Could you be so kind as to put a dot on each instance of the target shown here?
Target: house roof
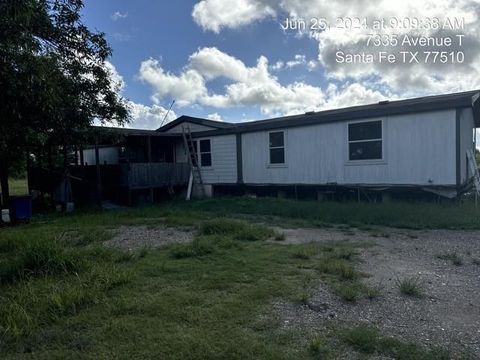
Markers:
(383, 108)
(132, 132)
(194, 120)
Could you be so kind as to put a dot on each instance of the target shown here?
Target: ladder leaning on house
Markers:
(472, 163)
(195, 174)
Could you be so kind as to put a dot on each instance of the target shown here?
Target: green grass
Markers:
(410, 287)
(65, 295)
(18, 186)
(414, 215)
(367, 340)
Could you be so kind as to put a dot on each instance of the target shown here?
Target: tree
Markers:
(53, 78)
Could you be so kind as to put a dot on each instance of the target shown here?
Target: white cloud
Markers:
(217, 14)
(297, 60)
(402, 79)
(117, 15)
(279, 65)
(143, 116)
(185, 88)
(149, 117)
(117, 80)
(215, 117)
(247, 86)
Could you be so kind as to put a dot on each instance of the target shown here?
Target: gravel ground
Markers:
(137, 237)
(449, 313)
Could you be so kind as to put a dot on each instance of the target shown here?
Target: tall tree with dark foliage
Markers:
(53, 78)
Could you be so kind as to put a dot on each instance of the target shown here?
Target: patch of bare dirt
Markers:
(448, 315)
(137, 237)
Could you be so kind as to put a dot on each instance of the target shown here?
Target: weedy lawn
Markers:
(63, 294)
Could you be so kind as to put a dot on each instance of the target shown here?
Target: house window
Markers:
(365, 141)
(205, 153)
(277, 147)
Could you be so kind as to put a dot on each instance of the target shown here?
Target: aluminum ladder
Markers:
(472, 163)
(195, 173)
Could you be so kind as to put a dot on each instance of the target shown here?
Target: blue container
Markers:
(21, 207)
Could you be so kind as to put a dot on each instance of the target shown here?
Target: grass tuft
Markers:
(362, 338)
(320, 348)
(373, 292)
(410, 287)
(453, 257)
(39, 257)
(367, 340)
(239, 230)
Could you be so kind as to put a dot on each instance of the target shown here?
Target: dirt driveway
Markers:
(447, 315)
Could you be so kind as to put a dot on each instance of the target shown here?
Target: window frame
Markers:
(284, 147)
(199, 154)
(381, 160)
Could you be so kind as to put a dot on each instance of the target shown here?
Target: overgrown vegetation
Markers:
(367, 340)
(412, 215)
(65, 295)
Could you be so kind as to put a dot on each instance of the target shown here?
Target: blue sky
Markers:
(231, 60)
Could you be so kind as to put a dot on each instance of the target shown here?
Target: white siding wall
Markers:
(106, 154)
(193, 127)
(467, 124)
(224, 160)
(419, 149)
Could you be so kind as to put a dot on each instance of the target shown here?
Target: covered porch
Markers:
(126, 166)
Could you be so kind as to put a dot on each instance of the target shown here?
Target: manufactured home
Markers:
(424, 144)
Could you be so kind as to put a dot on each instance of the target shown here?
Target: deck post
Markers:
(75, 149)
(29, 165)
(149, 160)
(99, 177)
(82, 160)
(149, 149)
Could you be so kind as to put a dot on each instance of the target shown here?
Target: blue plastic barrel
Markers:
(22, 207)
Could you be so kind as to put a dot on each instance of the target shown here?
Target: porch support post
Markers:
(82, 160)
(99, 177)
(149, 160)
(29, 165)
(76, 154)
(149, 149)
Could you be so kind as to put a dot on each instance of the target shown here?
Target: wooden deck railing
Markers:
(152, 175)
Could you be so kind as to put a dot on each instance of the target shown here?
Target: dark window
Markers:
(205, 153)
(276, 139)
(206, 159)
(365, 141)
(277, 147)
(365, 131)
(204, 146)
